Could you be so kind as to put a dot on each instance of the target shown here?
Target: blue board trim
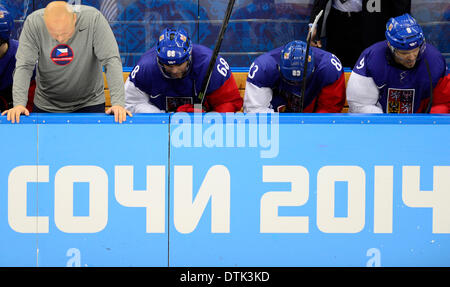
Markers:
(416, 119)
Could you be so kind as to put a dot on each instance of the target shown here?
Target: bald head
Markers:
(60, 20)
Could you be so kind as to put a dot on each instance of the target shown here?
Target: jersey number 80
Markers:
(335, 62)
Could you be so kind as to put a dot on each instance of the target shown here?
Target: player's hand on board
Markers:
(189, 108)
(120, 113)
(13, 114)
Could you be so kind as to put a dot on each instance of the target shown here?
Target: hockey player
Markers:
(396, 76)
(274, 81)
(168, 78)
(8, 49)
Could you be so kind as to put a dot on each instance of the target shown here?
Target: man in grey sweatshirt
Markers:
(69, 47)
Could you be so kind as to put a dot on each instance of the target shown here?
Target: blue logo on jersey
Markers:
(62, 55)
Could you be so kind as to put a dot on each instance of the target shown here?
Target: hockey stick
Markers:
(431, 87)
(308, 44)
(215, 53)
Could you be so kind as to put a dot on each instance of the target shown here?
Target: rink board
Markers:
(225, 190)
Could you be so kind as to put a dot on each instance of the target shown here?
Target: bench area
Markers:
(240, 78)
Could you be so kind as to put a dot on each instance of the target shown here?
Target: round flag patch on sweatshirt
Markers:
(62, 55)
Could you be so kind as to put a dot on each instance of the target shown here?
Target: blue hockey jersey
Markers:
(325, 88)
(7, 65)
(378, 84)
(168, 95)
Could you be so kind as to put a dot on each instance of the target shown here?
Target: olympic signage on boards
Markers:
(216, 187)
(247, 190)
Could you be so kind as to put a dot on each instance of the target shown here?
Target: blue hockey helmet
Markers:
(6, 24)
(174, 47)
(292, 62)
(403, 33)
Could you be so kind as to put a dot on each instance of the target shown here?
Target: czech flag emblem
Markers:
(62, 55)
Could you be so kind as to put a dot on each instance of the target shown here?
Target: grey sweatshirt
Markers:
(68, 76)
